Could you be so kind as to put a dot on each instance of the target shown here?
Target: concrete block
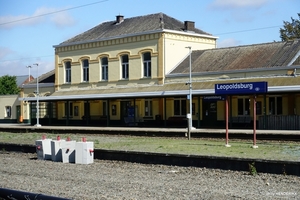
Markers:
(43, 149)
(84, 152)
(68, 151)
(56, 153)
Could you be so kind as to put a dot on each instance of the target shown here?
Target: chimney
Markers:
(161, 20)
(189, 26)
(119, 18)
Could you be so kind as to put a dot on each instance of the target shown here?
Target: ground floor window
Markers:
(275, 105)
(68, 109)
(148, 107)
(244, 106)
(180, 107)
(7, 111)
(104, 107)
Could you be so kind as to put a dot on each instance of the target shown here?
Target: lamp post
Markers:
(37, 97)
(29, 67)
(189, 116)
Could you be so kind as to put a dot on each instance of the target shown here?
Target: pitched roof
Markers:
(48, 77)
(275, 84)
(134, 25)
(21, 80)
(266, 55)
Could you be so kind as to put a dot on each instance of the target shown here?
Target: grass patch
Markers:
(270, 150)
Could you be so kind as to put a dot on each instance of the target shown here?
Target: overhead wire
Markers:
(50, 13)
(241, 31)
(26, 58)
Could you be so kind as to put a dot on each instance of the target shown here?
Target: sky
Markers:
(30, 29)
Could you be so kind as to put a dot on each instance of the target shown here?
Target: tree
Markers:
(290, 30)
(8, 85)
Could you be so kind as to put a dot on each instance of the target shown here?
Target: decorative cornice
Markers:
(107, 42)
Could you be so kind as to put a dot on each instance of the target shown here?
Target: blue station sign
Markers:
(241, 88)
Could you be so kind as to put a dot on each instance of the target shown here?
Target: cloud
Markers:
(229, 42)
(56, 16)
(237, 4)
(13, 63)
(240, 16)
(62, 20)
(18, 67)
(240, 11)
(4, 51)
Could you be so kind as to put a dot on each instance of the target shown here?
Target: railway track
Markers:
(245, 134)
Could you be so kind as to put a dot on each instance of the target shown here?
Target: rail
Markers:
(15, 194)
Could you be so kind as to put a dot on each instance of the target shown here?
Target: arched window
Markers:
(147, 64)
(125, 67)
(68, 72)
(85, 70)
(104, 68)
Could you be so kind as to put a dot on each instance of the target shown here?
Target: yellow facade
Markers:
(167, 50)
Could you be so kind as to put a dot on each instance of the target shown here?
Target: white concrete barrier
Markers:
(68, 151)
(43, 148)
(56, 153)
(84, 152)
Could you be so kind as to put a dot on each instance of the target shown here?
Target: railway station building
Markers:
(138, 71)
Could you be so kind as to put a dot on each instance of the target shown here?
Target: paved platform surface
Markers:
(150, 130)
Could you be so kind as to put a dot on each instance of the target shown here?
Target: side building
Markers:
(28, 96)
(10, 105)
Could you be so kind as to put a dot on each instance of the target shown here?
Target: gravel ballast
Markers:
(124, 180)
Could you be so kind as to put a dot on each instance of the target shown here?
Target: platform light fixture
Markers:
(29, 67)
(37, 97)
(189, 115)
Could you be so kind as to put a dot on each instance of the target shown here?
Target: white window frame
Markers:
(182, 105)
(148, 108)
(8, 111)
(104, 69)
(125, 67)
(68, 72)
(85, 70)
(146, 65)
